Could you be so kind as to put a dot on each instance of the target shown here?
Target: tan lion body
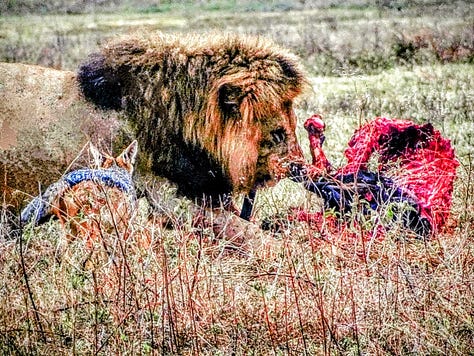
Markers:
(45, 122)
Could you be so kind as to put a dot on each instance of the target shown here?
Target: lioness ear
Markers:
(230, 97)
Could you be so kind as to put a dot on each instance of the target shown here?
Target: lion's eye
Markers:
(278, 135)
(230, 98)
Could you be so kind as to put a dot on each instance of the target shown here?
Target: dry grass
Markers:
(301, 291)
(189, 291)
(297, 292)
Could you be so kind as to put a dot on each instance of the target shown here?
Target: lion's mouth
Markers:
(278, 168)
(286, 167)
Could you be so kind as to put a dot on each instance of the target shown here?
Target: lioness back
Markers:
(44, 124)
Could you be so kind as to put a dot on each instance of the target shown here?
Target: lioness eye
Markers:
(278, 135)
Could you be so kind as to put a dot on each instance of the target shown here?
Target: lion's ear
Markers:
(100, 83)
(230, 97)
(289, 68)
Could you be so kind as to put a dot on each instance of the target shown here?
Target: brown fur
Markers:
(90, 209)
(213, 114)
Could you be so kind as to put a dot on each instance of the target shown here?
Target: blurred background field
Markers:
(334, 38)
(292, 293)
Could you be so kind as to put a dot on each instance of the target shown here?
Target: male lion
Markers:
(213, 114)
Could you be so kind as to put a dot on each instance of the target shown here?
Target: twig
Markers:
(28, 288)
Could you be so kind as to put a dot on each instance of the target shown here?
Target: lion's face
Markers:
(251, 124)
(278, 147)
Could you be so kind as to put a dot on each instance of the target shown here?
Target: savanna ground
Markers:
(300, 291)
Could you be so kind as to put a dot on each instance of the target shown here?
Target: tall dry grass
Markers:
(299, 291)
